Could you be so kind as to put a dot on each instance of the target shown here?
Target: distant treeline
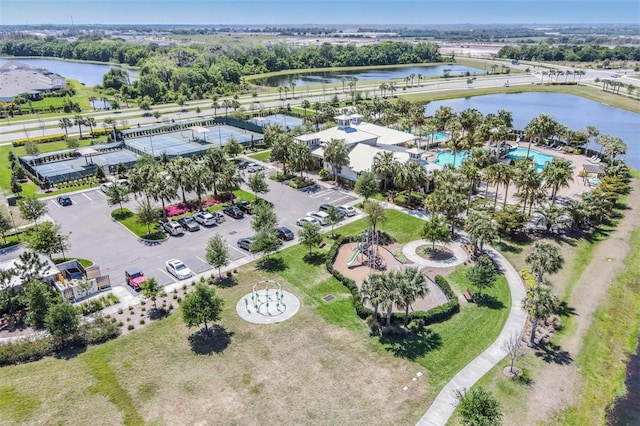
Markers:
(586, 53)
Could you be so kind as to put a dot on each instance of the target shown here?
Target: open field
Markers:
(320, 367)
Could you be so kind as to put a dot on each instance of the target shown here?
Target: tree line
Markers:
(570, 53)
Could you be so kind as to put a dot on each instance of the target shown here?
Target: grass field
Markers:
(320, 367)
(262, 156)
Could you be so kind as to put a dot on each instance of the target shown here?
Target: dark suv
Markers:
(245, 206)
(284, 234)
(233, 211)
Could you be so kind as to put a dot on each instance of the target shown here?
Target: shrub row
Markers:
(39, 139)
(95, 305)
(434, 315)
(106, 130)
(26, 350)
(298, 182)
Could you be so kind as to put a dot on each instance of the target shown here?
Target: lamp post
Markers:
(13, 222)
(61, 247)
(151, 141)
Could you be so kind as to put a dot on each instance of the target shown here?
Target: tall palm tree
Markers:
(410, 176)
(527, 180)
(336, 154)
(385, 166)
(301, 160)
(482, 229)
(179, 172)
(91, 122)
(539, 303)
(503, 176)
(448, 198)
(557, 173)
(200, 180)
(78, 120)
(229, 179)
(372, 291)
(544, 258)
(411, 285)
(457, 140)
(163, 190)
(215, 160)
(65, 123)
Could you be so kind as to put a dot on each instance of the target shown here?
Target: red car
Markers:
(134, 278)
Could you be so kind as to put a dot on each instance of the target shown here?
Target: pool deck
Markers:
(576, 187)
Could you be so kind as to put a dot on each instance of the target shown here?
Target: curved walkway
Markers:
(409, 251)
(443, 406)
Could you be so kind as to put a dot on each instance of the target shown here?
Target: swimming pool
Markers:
(446, 158)
(438, 136)
(538, 157)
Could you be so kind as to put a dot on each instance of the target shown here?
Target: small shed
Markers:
(593, 169)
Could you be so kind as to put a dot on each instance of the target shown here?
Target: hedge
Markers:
(434, 315)
(39, 139)
(107, 131)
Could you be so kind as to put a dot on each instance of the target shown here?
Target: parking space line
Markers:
(321, 193)
(204, 261)
(341, 198)
(55, 203)
(244, 253)
(169, 275)
(87, 197)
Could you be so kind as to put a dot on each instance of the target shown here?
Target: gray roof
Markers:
(17, 78)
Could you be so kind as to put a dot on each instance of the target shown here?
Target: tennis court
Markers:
(61, 171)
(282, 120)
(156, 145)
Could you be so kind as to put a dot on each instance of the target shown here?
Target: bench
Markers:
(468, 295)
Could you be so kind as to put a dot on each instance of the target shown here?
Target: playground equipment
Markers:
(265, 303)
(367, 251)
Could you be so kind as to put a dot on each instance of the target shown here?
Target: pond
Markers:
(86, 73)
(318, 78)
(572, 111)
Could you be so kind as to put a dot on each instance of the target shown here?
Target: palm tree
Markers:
(78, 120)
(385, 166)
(163, 190)
(230, 179)
(544, 258)
(527, 180)
(200, 179)
(65, 123)
(539, 303)
(179, 172)
(293, 89)
(448, 198)
(503, 175)
(336, 154)
(214, 158)
(411, 285)
(372, 291)
(482, 229)
(410, 175)
(557, 173)
(91, 122)
(301, 159)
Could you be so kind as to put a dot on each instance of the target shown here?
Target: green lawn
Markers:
(262, 156)
(402, 227)
(129, 219)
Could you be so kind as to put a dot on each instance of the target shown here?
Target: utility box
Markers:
(12, 200)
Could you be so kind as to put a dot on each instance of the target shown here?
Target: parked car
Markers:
(172, 228)
(245, 206)
(263, 201)
(347, 210)
(245, 243)
(64, 200)
(285, 234)
(321, 217)
(205, 218)
(325, 208)
(233, 211)
(307, 219)
(134, 277)
(188, 224)
(105, 186)
(244, 164)
(219, 217)
(255, 168)
(178, 269)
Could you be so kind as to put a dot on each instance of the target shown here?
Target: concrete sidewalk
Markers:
(443, 406)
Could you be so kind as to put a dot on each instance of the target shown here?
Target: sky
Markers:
(318, 12)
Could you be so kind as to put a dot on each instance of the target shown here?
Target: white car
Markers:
(321, 217)
(307, 219)
(347, 210)
(105, 186)
(252, 168)
(178, 269)
(205, 218)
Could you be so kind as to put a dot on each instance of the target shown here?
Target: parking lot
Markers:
(94, 235)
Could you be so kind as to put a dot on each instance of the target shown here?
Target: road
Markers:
(132, 116)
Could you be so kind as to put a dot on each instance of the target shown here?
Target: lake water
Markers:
(317, 78)
(89, 74)
(627, 410)
(572, 111)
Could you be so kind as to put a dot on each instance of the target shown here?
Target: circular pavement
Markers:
(266, 307)
(459, 255)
